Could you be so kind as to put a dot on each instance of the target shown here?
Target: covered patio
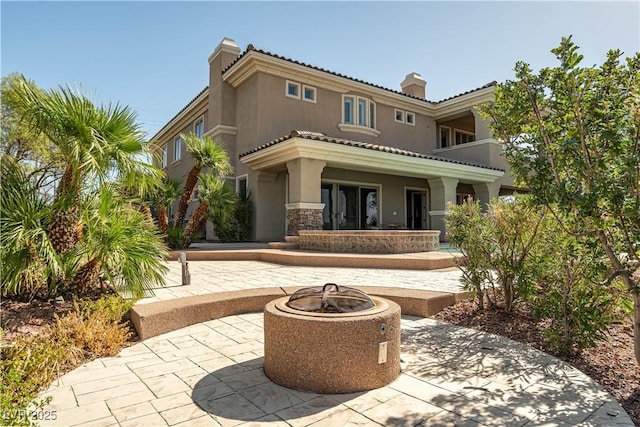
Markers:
(339, 184)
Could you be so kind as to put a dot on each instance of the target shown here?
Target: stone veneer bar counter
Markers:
(370, 241)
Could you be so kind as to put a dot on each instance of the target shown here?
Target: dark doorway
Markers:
(416, 209)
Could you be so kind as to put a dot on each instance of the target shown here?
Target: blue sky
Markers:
(152, 56)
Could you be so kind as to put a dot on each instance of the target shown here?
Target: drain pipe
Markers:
(186, 276)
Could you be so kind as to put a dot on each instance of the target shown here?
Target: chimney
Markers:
(229, 49)
(414, 85)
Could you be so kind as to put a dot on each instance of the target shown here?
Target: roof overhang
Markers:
(276, 156)
(253, 62)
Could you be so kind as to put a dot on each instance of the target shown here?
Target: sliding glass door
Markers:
(349, 207)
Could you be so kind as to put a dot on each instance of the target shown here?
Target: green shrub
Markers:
(572, 290)
(497, 246)
(114, 306)
(238, 227)
(468, 230)
(516, 252)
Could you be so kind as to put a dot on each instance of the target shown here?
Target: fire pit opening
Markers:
(332, 339)
(330, 299)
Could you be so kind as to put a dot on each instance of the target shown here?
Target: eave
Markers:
(276, 156)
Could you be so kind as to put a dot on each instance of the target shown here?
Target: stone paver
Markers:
(219, 276)
(211, 374)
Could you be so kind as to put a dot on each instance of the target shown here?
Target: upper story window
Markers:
(358, 115)
(177, 148)
(399, 115)
(410, 118)
(198, 128)
(309, 93)
(299, 91)
(358, 111)
(165, 156)
(292, 90)
(406, 117)
(445, 137)
(462, 137)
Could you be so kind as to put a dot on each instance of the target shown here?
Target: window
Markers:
(348, 110)
(177, 148)
(198, 128)
(402, 116)
(445, 137)
(293, 90)
(358, 111)
(463, 137)
(309, 93)
(399, 115)
(410, 118)
(241, 186)
(165, 156)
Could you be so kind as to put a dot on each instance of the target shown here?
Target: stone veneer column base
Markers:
(304, 216)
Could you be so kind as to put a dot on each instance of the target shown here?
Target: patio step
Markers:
(290, 242)
(282, 245)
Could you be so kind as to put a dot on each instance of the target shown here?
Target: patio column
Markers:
(485, 192)
(304, 210)
(442, 191)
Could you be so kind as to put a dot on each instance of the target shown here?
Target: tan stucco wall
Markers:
(268, 196)
(264, 113)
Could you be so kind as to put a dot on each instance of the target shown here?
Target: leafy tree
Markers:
(206, 154)
(572, 136)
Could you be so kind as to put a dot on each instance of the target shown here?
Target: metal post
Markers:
(186, 276)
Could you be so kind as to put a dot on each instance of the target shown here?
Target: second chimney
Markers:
(414, 85)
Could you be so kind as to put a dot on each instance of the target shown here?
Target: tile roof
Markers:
(490, 84)
(252, 48)
(317, 136)
(181, 110)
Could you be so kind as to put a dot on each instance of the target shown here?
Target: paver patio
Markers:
(211, 373)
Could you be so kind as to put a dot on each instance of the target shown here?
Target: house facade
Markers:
(320, 150)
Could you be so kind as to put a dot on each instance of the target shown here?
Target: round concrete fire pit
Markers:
(332, 352)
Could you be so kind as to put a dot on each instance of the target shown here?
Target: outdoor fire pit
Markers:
(332, 340)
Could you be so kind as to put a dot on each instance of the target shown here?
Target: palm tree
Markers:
(95, 143)
(217, 200)
(120, 247)
(206, 154)
(140, 189)
(27, 254)
(165, 195)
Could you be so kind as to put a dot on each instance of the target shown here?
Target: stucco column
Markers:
(442, 191)
(485, 192)
(304, 210)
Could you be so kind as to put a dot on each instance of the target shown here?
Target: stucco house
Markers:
(318, 149)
